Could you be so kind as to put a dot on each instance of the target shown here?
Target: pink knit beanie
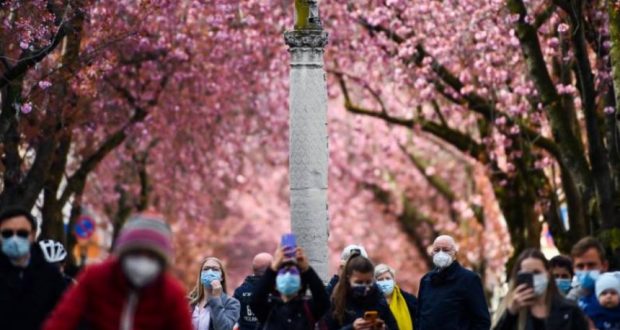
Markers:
(146, 231)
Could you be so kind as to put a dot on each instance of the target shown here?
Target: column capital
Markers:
(306, 38)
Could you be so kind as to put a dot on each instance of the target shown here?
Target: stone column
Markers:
(308, 158)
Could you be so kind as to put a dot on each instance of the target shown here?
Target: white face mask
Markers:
(442, 259)
(141, 270)
(541, 281)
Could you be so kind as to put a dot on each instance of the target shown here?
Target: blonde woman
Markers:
(537, 305)
(402, 304)
(212, 308)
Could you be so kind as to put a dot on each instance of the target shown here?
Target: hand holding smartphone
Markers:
(289, 245)
(371, 316)
(525, 278)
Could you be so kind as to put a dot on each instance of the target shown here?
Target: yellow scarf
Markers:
(399, 309)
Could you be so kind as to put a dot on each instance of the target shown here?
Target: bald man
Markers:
(248, 320)
(450, 297)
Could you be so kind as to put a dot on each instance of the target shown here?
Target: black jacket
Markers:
(375, 301)
(412, 304)
(564, 315)
(300, 313)
(244, 293)
(452, 299)
(28, 295)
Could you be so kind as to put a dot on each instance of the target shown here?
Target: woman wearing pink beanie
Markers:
(133, 289)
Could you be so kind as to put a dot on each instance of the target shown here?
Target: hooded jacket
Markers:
(452, 298)
(28, 295)
(103, 297)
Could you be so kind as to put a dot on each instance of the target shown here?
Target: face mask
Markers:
(141, 270)
(360, 290)
(541, 281)
(386, 286)
(16, 247)
(288, 283)
(442, 259)
(563, 284)
(587, 279)
(209, 276)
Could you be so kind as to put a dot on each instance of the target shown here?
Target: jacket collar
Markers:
(440, 276)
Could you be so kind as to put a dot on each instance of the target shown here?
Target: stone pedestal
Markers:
(308, 145)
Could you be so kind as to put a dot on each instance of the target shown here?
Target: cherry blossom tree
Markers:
(522, 88)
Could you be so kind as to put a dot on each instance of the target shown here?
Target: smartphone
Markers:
(371, 316)
(289, 243)
(525, 278)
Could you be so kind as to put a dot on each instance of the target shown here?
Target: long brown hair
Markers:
(551, 294)
(355, 263)
(198, 293)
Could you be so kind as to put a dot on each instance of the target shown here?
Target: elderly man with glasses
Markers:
(450, 297)
(30, 287)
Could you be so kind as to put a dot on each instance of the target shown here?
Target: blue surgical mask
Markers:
(587, 278)
(288, 283)
(360, 290)
(386, 286)
(208, 276)
(563, 284)
(16, 247)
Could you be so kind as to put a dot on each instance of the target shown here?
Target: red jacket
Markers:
(102, 294)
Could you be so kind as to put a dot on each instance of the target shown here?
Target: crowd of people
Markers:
(134, 289)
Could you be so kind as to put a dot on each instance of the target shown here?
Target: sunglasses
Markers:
(7, 233)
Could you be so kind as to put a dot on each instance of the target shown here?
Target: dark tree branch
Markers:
(597, 151)
(473, 101)
(29, 59)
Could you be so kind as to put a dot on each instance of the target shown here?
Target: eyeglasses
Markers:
(442, 249)
(7, 233)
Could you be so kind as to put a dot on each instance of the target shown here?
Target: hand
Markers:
(302, 260)
(361, 324)
(523, 297)
(278, 258)
(379, 325)
(216, 286)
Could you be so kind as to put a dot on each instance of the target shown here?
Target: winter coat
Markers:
(224, 312)
(299, 313)
(356, 307)
(103, 295)
(244, 293)
(452, 299)
(28, 295)
(603, 318)
(564, 315)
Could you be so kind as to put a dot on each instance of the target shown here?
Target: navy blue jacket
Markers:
(244, 293)
(331, 285)
(603, 318)
(357, 307)
(452, 299)
(28, 295)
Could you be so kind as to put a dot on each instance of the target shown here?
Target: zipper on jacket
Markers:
(129, 311)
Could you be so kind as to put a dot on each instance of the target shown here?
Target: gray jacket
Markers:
(224, 312)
